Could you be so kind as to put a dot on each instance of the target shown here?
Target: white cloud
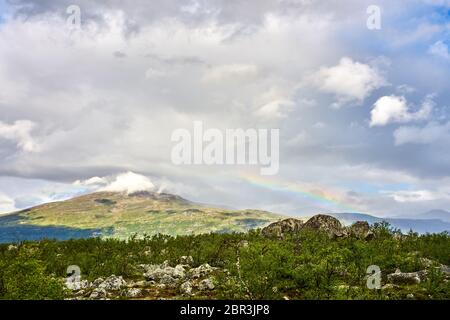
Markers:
(349, 80)
(100, 114)
(405, 89)
(6, 204)
(430, 133)
(153, 73)
(440, 49)
(92, 182)
(275, 110)
(319, 125)
(20, 133)
(129, 182)
(302, 139)
(422, 32)
(230, 72)
(393, 108)
(413, 196)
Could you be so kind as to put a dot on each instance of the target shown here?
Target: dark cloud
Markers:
(106, 100)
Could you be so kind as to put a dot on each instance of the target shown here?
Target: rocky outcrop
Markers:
(281, 228)
(185, 279)
(98, 293)
(112, 283)
(407, 278)
(324, 223)
(361, 230)
(327, 224)
(201, 271)
(157, 272)
(401, 278)
(134, 293)
(186, 288)
(206, 284)
(76, 284)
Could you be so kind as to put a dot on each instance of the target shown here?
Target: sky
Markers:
(363, 114)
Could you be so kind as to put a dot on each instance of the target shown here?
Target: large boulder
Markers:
(327, 224)
(157, 272)
(406, 277)
(361, 230)
(281, 228)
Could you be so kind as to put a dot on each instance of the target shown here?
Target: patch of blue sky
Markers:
(369, 188)
(4, 11)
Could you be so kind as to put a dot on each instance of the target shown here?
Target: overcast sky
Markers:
(363, 114)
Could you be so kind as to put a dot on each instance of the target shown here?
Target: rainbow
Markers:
(318, 195)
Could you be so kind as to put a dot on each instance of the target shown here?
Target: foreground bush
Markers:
(307, 265)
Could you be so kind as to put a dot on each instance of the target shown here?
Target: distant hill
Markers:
(421, 225)
(433, 214)
(113, 214)
(120, 215)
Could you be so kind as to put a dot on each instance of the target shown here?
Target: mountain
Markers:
(113, 214)
(421, 225)
(120, 215)
(434, 214)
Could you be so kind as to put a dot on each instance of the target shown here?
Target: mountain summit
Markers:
(121, 215)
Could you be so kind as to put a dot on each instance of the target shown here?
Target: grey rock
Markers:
(186, 288)
(134, 293)
(98, 293)
(161, 286)
(361, 230)
(80, 293)
(112, 283)
(97, 282)
(201, 271)
(168, 280)
(206, 284)
(445, 270)
(327, 224)
(427, 263)
(157, 272)
(406, 278)
(77, 285)
(281, 228)
(324, 223)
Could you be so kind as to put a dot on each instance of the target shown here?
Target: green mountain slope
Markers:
(121, 215)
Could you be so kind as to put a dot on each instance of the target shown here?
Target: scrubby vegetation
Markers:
(305, 265)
